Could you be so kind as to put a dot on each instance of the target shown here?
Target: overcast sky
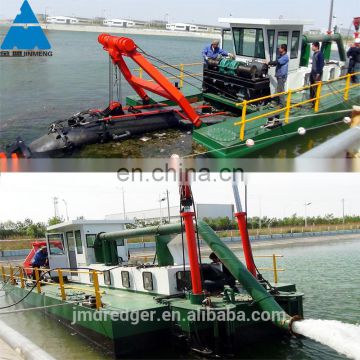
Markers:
(96, 195)
(201, 11)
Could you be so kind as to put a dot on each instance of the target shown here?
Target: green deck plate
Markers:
(192, 94)
(223, 139)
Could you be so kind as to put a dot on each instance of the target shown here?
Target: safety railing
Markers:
(180, 68)
(275, 269)
(289, 97)
(18, 273)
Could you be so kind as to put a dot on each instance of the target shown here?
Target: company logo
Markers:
(25, 36)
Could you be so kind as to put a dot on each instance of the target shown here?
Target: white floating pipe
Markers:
(22, 345)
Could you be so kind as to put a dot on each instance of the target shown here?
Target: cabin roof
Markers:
(247, 21)
(66, 224)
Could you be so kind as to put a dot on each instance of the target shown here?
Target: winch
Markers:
(236, 80)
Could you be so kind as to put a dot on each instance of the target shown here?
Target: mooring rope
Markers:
(37, 308)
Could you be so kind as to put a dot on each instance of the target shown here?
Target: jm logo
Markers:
(25, 33)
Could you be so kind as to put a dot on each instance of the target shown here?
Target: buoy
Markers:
(347, 120)
(250, 142)
(301, 131)
(175, 156)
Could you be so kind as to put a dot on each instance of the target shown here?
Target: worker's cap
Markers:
(43, 248)
(357, 41)
(215, 42)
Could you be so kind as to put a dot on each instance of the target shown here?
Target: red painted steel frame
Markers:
(192, 251)
(118, 47)
(241, 219)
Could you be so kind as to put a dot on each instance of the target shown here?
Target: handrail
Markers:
(180, 67)
(62, 286)
(287, 109)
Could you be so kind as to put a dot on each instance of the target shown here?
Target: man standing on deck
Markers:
(39, 260)
(281, 74)
(317, 68)
(213, 51)
(354, 61)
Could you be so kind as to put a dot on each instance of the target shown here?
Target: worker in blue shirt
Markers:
(213, 51)
(281, 74)
(317, 68)
(40, 259)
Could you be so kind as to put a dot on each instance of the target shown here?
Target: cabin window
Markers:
(125, 279)
(90, 240)
(295, 43)
(79, 247)
(56, 244)
(148, 280)
(107, 277)
(271, 41)
(183, 280)
(249, 42)
(283, 38)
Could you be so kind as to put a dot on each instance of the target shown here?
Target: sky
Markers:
(96, 195)
(199, 11)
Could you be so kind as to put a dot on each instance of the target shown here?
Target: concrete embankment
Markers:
(127, 31)
(276, 242)
(258, 242)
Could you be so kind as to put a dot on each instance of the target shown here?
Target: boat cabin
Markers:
(259, 40)
(71, 244)
(79, 245)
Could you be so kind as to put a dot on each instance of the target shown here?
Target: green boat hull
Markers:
(223, 140)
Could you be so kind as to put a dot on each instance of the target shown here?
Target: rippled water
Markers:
(37, 91)
(326, 273)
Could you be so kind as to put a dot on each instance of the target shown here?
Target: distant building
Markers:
(314, 31)
(62, 20)
(212, 211)
(69, 20)
(124, 23)
(192, 27)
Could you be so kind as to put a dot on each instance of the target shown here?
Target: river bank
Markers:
(235, 243)
(125, 31)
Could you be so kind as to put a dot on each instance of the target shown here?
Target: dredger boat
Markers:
(234, 114)
(176, 299)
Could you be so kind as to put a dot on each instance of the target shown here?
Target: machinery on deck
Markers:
(235, 79)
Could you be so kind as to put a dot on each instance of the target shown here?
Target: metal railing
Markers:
(289, 106)
(18, 273)
(180, 67)
(274, 268)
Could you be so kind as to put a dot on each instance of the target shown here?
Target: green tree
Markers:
(55, 220)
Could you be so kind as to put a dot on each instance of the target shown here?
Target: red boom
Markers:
(118, 47)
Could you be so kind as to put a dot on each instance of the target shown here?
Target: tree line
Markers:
(224, 223)
(30, 229)
(27, 228)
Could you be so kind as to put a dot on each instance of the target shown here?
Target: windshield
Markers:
(249, 42)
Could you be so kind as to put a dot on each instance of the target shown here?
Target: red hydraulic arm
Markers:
(120, 47)
(241, 219)
(356, 23)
